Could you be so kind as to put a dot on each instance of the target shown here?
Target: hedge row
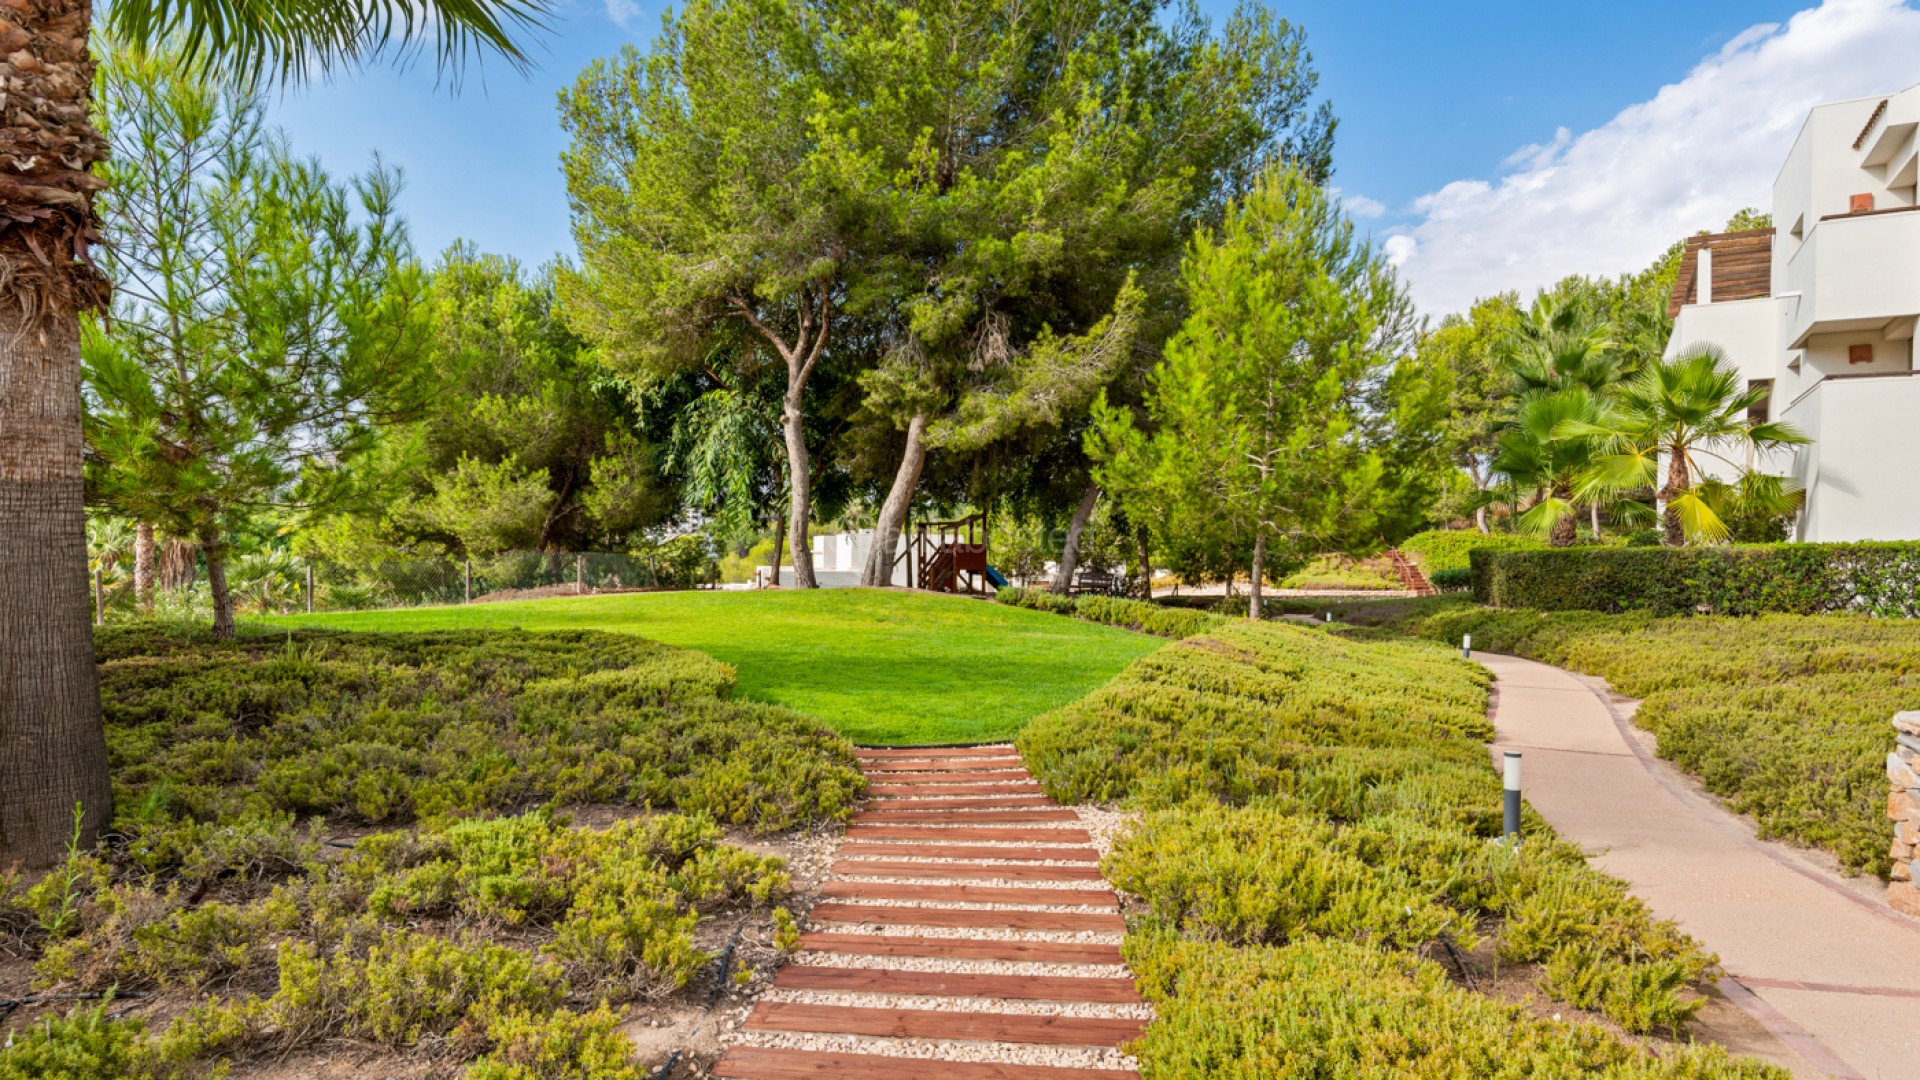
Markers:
(1874, 578)
(1318, 815)
(1147, 618)
(1440, 550)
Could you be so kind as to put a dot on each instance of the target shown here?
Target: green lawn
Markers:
(881, 667)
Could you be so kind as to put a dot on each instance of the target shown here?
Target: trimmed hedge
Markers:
(1140, 615)
(1439, 550)
(1870, 578)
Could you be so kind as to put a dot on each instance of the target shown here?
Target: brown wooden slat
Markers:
(954, 789)
(969, 894)
(981, 833)
(969, 851)
(932, 751)
(988, 816)
(948, 765)
(1039, 952)
(875, 915)
(763, 1063)
(901, 868)
(934, 1024)
(972, 777)
(949, 984)
(983, 803)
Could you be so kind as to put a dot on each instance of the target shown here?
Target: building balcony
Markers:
(1854, 273)
(1859, 470)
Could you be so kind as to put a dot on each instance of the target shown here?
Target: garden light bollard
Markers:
(1511, 794)
(1466, 646)
(1329, 617)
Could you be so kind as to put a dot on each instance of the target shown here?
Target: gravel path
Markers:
(1005, 982)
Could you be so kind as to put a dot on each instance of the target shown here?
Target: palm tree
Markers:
(53, 754)
(1562, 342)
(1540, 465)
(1680, 410)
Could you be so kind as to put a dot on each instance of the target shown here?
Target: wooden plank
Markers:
(1037, 952)
(1109, 991)
(764, 1063)
(1028, 788)
(969, 894)
(935, 1024)
(943, 766)
(969, 851)
(875, 915)
(984, 816)
(968, 832)
(976, 776)
(932, 751)
(983, 803)
(901, 868)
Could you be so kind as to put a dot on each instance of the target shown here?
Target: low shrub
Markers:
(1301, 786)
(1441, 550)
(1321, 1008)
(1141, 615)
(1797, 579)
(1452, 579)
(1783, 715)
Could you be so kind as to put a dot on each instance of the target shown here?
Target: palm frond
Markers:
(290, 41)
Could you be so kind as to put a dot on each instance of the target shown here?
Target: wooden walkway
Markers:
(964, 933)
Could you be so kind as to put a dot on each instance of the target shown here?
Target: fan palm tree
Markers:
(1540, 465)
(1561, 343)
(1679, 411)
(55, 755)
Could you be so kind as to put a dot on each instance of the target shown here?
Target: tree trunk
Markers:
(893, 512)
(1146, 566)
(1479, 486)
(1677, 479)
(1565, 531)
(53, 751)
(800, 484)
(216, 550)
(178, 561)
(1480, 519)
(779, 546)
(1070, 552)
(143, 567)
(1593, 514)
(1258, 578)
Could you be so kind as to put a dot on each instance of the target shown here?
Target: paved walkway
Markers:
(970, 938)
(1826, 965)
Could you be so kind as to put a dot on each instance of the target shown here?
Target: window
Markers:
(1761, 409)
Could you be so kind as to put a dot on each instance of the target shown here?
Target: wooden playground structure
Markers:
(950, 556)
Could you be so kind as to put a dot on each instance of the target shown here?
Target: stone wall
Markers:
(1903, 806)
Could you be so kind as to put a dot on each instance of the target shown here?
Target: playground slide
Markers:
(994, 576)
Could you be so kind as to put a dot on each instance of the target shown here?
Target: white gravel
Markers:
(983, 933)
(953, 966)
(1106, 825)
(1098, 888)
(1072, 1057)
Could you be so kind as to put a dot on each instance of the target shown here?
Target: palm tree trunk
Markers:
(1676, 533)
(53, 751)
(1593, 515)
(893, 512)
(800, 487)
(1070, 551)
(143, 566)
(1567, 529)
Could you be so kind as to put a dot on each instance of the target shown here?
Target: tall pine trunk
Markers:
(53, 752)
(779, 546)
(1070, 552)
(893, 512)
(800, 486)
(143, 558)
(1257, 578)
(216, 552)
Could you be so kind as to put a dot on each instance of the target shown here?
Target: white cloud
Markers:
(624, 12)
(1359, 205)
(1609, 200)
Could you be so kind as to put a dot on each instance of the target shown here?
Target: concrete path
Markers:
(1820, 960)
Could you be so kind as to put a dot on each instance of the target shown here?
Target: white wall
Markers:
(1861, 473)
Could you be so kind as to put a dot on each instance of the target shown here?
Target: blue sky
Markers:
(1477, 140)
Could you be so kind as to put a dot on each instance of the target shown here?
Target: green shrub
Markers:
(1452, 579)
(560, 1046)
(1319, 1008)
(1140, 615)
(1440, 550)
(1798, 579)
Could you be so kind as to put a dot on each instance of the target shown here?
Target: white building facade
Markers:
(1822, 310)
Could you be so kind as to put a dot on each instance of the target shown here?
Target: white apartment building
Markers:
(1821, 308)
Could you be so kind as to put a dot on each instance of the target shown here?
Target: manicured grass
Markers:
(881, 667)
